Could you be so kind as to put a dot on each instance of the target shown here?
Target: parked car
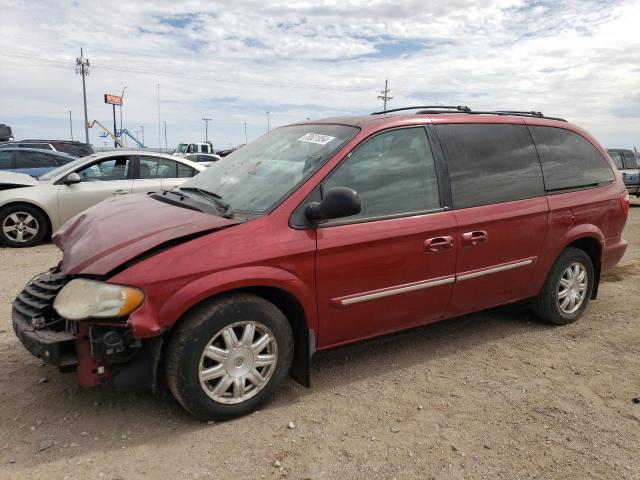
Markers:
(6, 134)
(629, 167)
(204, 159)
(32, 161)
(75, 148)
(323, 234)
(186, 148)
(31, 209)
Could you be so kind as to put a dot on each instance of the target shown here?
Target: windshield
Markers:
(51, 174)
(256, 177)
(182, 147)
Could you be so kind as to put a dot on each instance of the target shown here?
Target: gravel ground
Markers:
(490, 395)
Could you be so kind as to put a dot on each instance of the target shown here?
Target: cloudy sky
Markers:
(234, 61)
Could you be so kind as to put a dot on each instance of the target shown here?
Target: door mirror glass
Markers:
(72, 178)
(338, 202)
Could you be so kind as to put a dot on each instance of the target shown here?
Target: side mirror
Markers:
(338, 202)
(72, 178)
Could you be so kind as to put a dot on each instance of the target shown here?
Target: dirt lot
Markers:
(490, 395)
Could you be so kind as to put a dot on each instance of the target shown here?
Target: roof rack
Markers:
(438, 109)
(459, 108)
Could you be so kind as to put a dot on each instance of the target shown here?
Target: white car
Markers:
(31, 209)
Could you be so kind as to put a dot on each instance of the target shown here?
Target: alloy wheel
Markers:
(572, 287)
(238, 362)
(20, 227)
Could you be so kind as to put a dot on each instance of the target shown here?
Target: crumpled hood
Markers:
(13, 178)
(116, 230)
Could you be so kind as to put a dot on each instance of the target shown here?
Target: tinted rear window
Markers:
(490, 163)
(35, 160)
(569, 161)
(75, 149)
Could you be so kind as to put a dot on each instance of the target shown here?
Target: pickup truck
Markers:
(629, 167)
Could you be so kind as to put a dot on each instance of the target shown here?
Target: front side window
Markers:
(617, 159)
(107, 170)
(258, 176)
(393, 174)
(490, 163)
(569, 161)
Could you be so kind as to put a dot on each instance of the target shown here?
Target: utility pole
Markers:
(165, 135)
(245, 133)
(115, 128)
(82, 67)
(70, 125)
(121, 103)
(385, 95)
(268, 125)
(206, 129)
(159, 137)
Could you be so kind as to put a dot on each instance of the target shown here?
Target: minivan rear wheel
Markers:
(228, 356)
(568, 288)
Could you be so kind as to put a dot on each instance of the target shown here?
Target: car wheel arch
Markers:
(592, 246)
(292, 307)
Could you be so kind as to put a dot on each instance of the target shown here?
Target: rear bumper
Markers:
(55, 348)
(614, 250)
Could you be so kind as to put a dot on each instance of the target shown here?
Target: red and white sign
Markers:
(112, 99)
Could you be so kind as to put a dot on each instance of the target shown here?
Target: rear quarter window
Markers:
(569, 161)
(490, 163)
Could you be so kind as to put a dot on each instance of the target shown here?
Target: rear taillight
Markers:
(624, 202)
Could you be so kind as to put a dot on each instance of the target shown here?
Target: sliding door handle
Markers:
(475, 237)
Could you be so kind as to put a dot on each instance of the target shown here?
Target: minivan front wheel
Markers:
(568, 288)
(228, 356)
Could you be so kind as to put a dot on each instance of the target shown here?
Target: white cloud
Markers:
(233, 61)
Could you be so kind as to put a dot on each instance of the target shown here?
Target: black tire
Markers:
(546, 305)
(194, 333)
(38, 222)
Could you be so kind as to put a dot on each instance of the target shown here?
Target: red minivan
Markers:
(321, 234)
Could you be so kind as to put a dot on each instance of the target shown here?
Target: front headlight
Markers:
(81, 299)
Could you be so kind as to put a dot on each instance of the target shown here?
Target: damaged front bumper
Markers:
(99, 352)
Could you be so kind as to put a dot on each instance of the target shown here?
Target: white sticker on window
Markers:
(316, 138)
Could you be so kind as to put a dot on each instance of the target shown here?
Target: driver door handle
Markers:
(438, 244)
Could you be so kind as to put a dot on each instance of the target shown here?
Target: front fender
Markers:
(153, 318)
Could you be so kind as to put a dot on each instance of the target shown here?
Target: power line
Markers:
(164, 73)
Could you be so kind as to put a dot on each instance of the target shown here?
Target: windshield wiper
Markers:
(227, 211)
(182, 197)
